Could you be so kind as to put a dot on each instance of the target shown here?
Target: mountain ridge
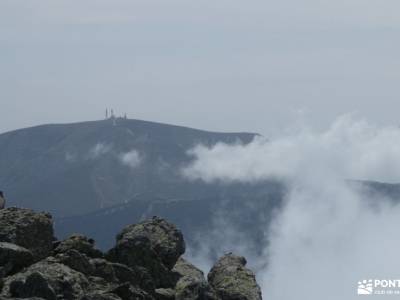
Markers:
(120, 118)
(81, 167)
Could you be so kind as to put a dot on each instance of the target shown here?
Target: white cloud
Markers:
(325, 241)
(131, 159)
(327, 237)
(348, 149)
(99, 149)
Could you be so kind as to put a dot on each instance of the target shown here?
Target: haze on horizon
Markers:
(216, 65)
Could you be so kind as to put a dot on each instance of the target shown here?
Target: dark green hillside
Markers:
(72, 169)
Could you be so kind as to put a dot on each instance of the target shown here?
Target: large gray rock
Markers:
(113, 274)
(165, 294)
(192, 284)
(135, 275)
(104, 269)
(76, 260)
(98, 286)
(100, 296)
(119, 273)
(100, 289)
(13, 258)
(165, 239)
(128, 292)
(28, 229)
(154, 244)
(46, 279)
(232, 280)
(32, 298)
(79, 243)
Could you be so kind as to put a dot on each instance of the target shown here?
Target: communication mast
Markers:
(112, 117)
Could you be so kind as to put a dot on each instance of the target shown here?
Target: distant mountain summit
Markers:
(97, 177)
(72, 169)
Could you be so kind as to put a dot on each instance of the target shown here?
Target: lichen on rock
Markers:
(232, 280)
(28, 229)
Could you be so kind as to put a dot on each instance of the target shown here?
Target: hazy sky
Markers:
(212, 64)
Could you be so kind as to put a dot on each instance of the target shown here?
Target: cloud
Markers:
(348, 149)
(326, 240)
(327, 236)
(131, 159)
(99, 149)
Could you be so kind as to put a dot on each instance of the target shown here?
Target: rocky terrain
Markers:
(145, 263)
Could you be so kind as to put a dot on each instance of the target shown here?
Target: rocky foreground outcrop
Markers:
(25, 228)
(146, 263)
(232, 280)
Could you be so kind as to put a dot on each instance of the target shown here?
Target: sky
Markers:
(259, 66)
